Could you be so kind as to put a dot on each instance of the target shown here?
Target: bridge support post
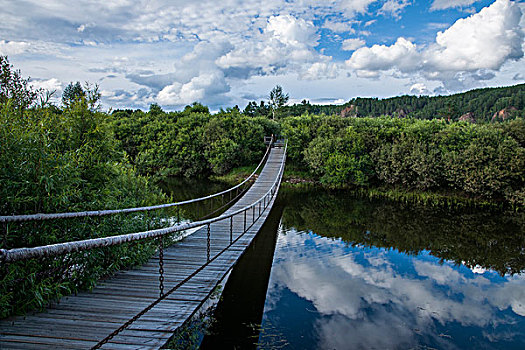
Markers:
(231, 229)
(208, 244)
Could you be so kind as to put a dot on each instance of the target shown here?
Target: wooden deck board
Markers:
(81, 321)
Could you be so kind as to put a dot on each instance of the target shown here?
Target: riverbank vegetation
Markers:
(73, 157)
(57, 159)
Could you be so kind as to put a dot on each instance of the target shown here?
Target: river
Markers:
(330, 271)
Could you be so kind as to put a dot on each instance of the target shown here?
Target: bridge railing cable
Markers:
(90, 213)
(17, 254)
(255, 209)
(265, 200)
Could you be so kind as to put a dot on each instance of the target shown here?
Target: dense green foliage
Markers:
(480, 161)
(74, 157)
(64, 159)
(482, 103)
(191, 142)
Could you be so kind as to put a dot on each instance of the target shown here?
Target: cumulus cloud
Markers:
(206, 84)
(419, 89)
(292, 31)
(403, 54)
(13, 47)
(320, 70)
(485, 40)
(234, 41)
(286, 42)
(50, 85)
(470, 50)
(352, 44)
(338, 26)
(445, 4)
(351, 7)
(394, 7)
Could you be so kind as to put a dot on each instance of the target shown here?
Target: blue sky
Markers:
(230, 52)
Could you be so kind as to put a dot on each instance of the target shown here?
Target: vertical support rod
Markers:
(6, 235)
(5, 267)
(244, 221)
(231, 229)
(253, 214)
(178, 214)
(208, 243)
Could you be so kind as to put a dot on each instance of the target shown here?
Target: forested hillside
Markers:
(480, 105)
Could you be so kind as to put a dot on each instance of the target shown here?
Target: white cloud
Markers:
(235, 41)
(320, 70)
(206, 84)
(445, 4)
(352, 44)
(419, 89)
(468, 51)
(292, 31)
(286, 44)
(403, 54)
(339, 27)
(485, 40)
(13, 47)
(394, 7)
(351, 7)
(50, 85)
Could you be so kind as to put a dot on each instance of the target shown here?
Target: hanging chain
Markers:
(208, 243)
(161, 266)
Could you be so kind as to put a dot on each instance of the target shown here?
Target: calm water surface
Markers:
(333, 272)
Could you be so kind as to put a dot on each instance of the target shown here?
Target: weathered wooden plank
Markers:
(79, 322)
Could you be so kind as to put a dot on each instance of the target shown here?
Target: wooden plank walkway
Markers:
(81, 321)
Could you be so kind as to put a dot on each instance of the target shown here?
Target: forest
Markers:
(73, 156)
(480, 105)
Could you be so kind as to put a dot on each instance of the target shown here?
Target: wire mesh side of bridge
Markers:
(141, 308)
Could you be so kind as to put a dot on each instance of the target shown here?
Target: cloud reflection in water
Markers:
(380, 298)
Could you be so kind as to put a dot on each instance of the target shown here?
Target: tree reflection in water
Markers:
(352, 273)
(491, 240)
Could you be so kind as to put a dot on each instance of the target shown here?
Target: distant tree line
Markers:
(480, 105)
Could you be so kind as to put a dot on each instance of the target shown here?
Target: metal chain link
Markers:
(161, 266)
(208, 243)
(149, 307)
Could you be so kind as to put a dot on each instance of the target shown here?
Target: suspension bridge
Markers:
(141, 308)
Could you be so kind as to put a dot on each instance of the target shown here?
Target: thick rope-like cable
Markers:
(40, 217)
(17, 254)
